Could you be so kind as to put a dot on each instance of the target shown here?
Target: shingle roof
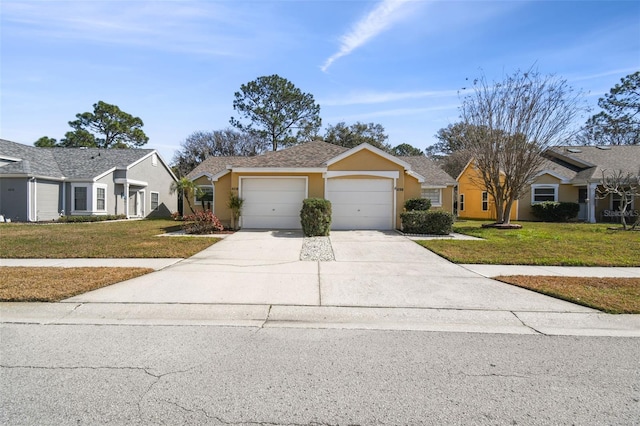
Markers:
(83, 163)
(32, 160)
(432, 173)
(70, 163)
(586, 163)
(310, 154)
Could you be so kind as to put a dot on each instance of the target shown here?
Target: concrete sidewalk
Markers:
(156, 264)
(268, 316)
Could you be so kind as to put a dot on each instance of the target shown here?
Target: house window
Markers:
(542, 193)
(205, 195)
(434, 195)
(80, 198)
(101, 199)
(461, 203)
(485, 201)
(155, 198)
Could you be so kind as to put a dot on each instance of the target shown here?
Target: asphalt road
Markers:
(91, 374)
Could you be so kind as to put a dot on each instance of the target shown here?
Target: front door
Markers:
(583, 213)
(134, 204)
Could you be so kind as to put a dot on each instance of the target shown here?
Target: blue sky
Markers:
(176, 64)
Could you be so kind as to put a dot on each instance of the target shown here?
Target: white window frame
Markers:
(461, 201)
(95, 198)
(92, 198)
(213, 197)
(432, 188)
(151, 193)
(544, 186)
(87, 188)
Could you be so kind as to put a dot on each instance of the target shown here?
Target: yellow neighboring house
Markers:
(474, 202)
(367, 187)
(569, 174)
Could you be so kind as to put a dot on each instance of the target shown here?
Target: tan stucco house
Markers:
(366, 186)
(569, 174)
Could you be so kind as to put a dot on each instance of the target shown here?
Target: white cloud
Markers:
(379, 19)
(383, 97)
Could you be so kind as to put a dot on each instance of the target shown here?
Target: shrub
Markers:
(551, 211)
(417, 204)
(436, 222)
(202, 222)
(315, 217)
(101, 218)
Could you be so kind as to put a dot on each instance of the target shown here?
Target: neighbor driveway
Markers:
(371, 269)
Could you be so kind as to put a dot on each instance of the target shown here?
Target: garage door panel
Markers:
(361, 203)
(380, 198)
(272, 203)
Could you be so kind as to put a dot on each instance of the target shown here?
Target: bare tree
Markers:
(625, 185)
(509, 125)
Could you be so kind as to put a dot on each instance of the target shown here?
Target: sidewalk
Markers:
(156, 264)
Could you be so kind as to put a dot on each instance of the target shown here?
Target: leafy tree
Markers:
(106, 127)
(449, 151)
(200, 145)
(354, 135)
(277, 111)
(77, 139)
(46, 142)
(510, 124)
(406, 150)
(619, 121)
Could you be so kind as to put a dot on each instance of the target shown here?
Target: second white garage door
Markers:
(361, 203)
(272, 203)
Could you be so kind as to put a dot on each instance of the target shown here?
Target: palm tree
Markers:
(185, 188)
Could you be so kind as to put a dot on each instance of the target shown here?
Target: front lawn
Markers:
(128, 239)
(537, 243)
(22, 284)
(611, 295)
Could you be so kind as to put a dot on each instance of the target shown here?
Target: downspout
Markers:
(63, 211)
(35, 199)
(30, 201)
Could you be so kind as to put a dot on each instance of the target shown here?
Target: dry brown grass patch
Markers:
(612, 295)
(31, 284)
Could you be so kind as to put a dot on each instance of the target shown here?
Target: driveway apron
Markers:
(371, 269)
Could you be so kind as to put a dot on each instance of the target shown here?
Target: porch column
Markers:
(126, 200)
(591, 202)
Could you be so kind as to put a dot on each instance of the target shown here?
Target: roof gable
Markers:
(371, 148)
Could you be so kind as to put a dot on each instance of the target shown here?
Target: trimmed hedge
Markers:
(315, 217)
(101, 218)
(551, 211)
(437, 222)
(417, 204)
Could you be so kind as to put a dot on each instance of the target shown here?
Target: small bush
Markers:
(417, 204)
(551, 211)
(315, 217)
(202, 222)
(102, 218)
(436, 222)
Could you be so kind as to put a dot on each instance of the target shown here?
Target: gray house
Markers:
(42, 184)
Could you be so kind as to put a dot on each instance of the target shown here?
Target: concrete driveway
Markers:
(371, 269)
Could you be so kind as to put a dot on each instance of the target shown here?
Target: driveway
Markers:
(371, 269)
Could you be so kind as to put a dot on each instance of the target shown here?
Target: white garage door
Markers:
(361, 203)
(272, 203)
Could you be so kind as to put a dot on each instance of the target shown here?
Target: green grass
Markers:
(121, 239)
(537, 243)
